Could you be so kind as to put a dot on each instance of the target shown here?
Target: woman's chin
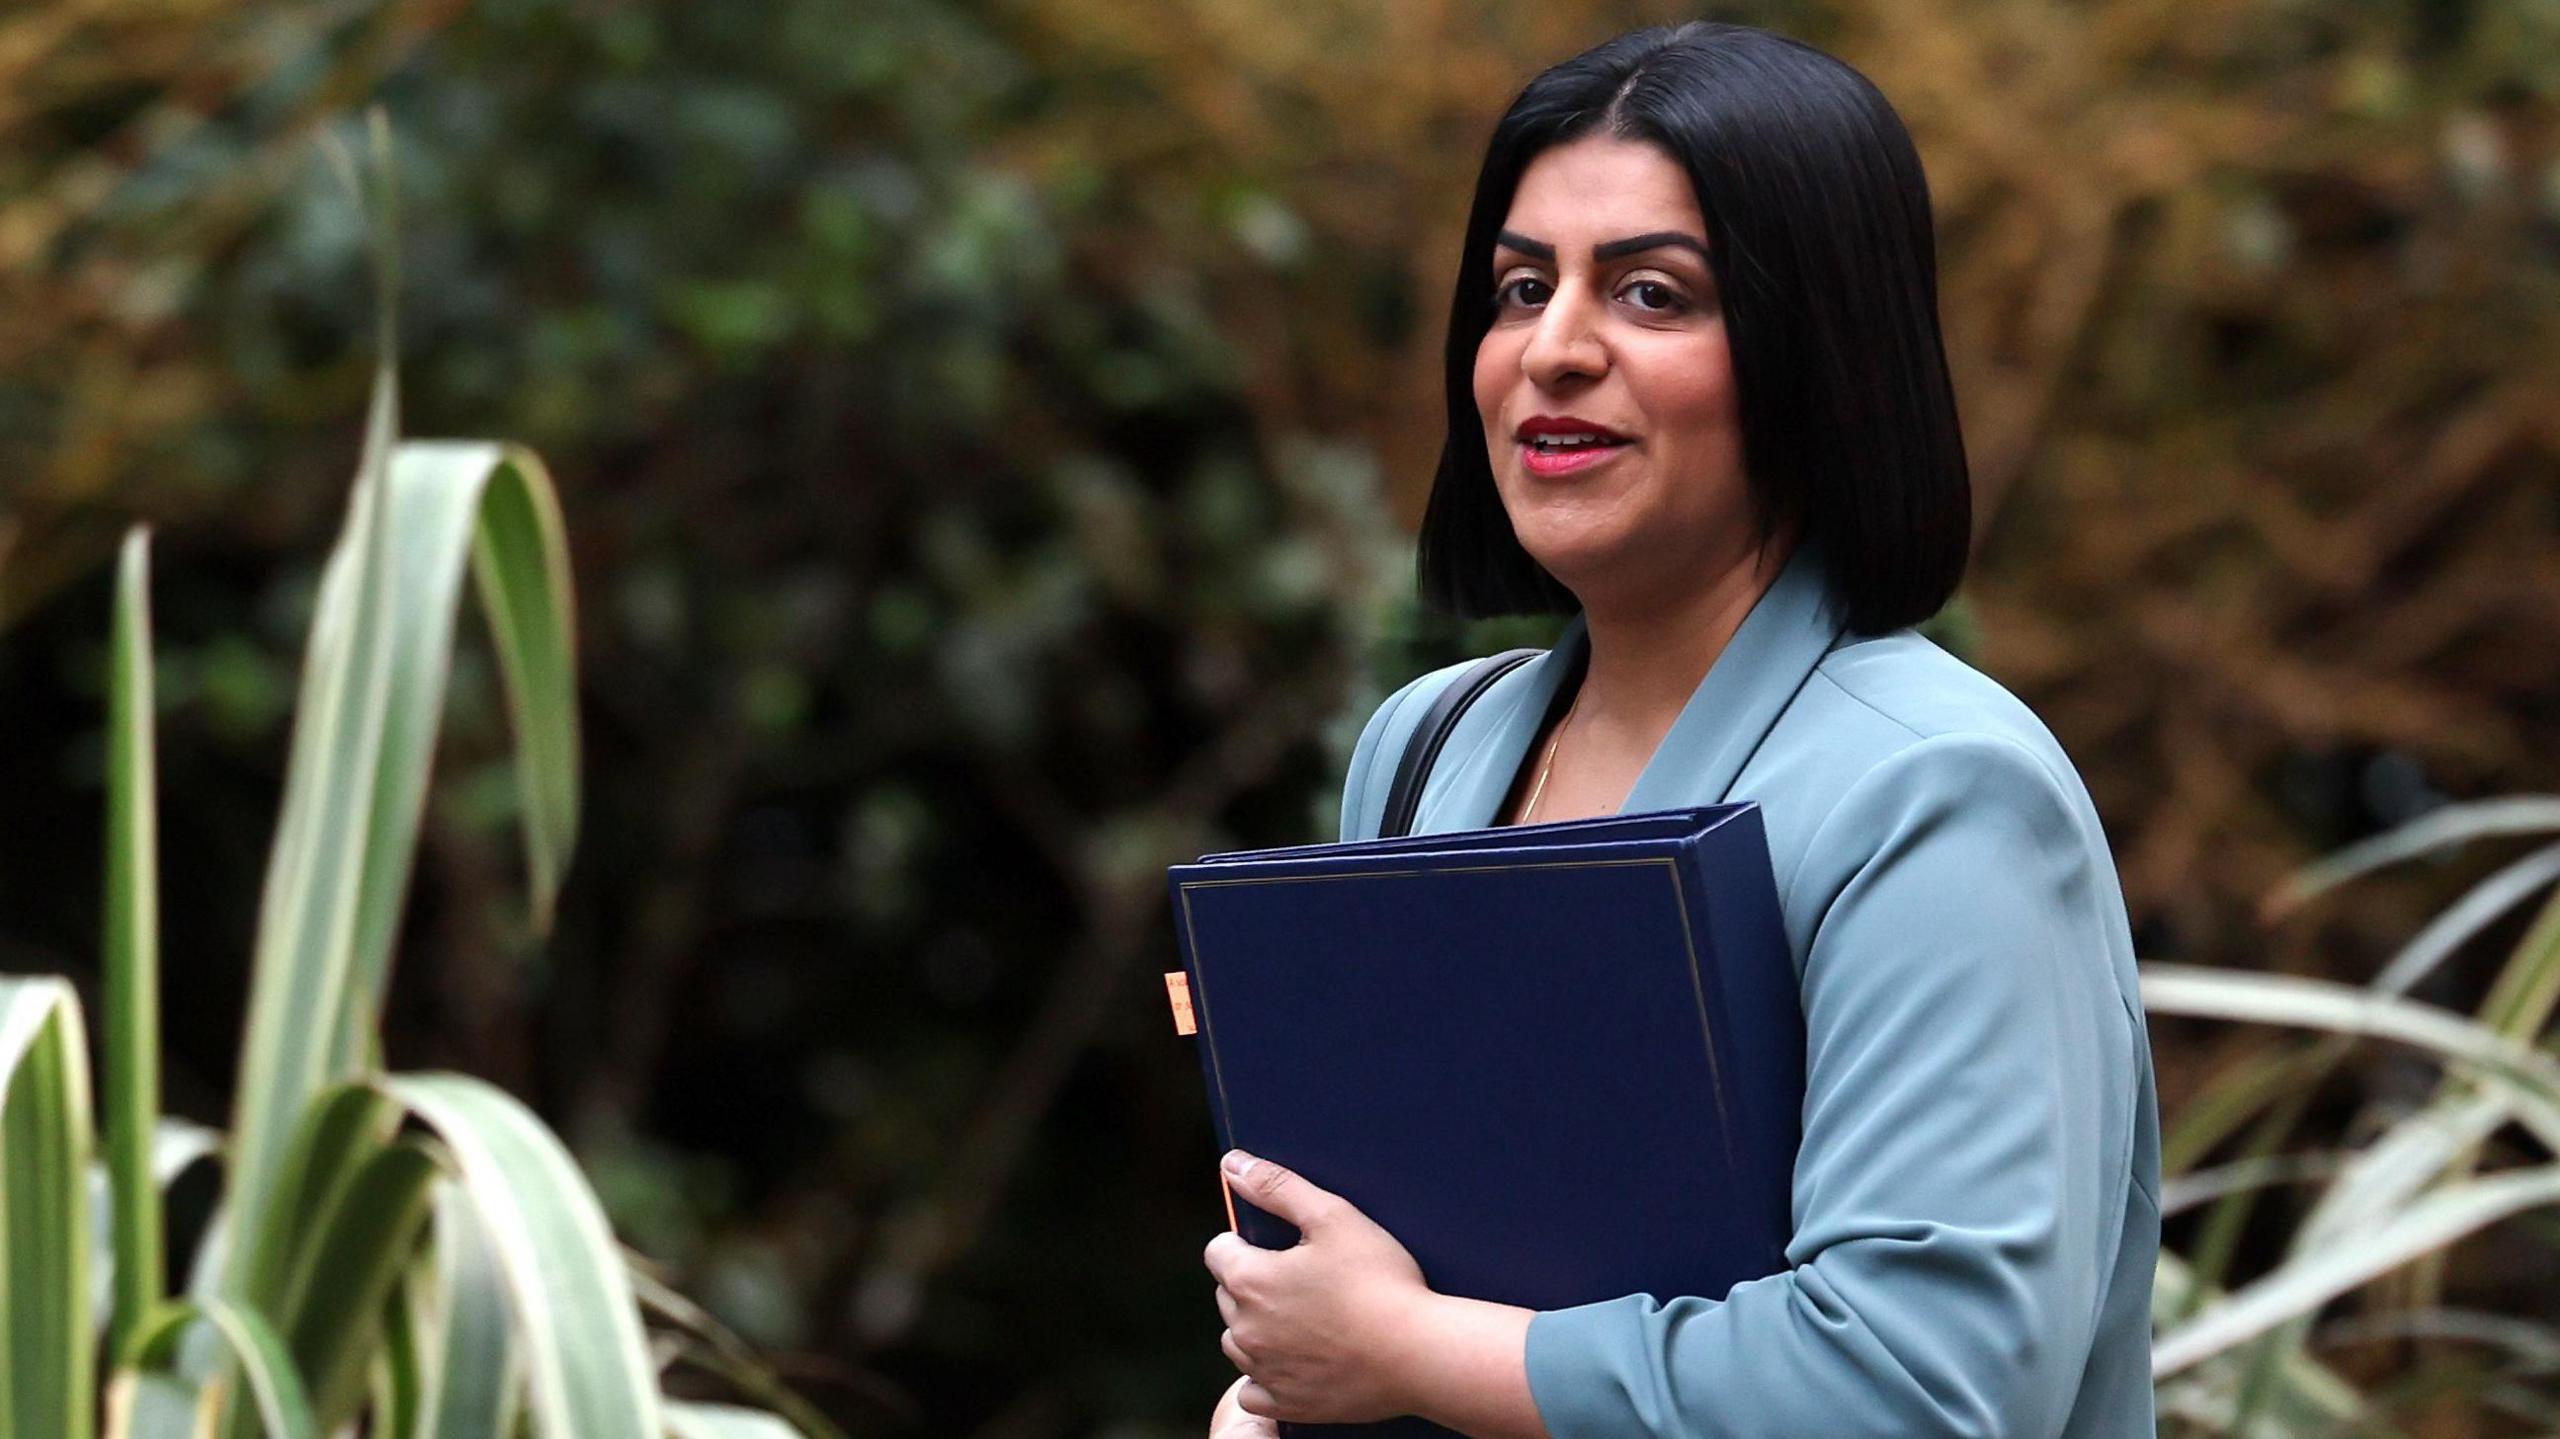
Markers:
(1579, 568)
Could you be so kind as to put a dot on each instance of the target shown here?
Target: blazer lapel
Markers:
(1751, 683)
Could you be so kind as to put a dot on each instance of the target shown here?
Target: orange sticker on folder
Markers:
(1177, 987)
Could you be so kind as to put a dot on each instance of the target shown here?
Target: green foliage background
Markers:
(988, 434)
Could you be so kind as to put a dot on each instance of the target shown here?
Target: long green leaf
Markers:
(2218, 1239)
(476, 1370)
(307, 916)
(520, 561)
(375, 673)
(360, 1248)
(2528, 984)
(404, 1367)
(132, 1021)
(2521, 1081)
(716, 1349)
(2313, 1401)
(2345, 1009)
(490, 507)
(2499, 1078)
(340, 1135)
(309, 906)
(342, 1128)
(587, 1367)
(2476, 910)
(47, 1347)
(2417, 1150)
(2183, 1192)
(177, 1147)
(2388, 1171)
(2301, 1285)
(2443, 828)
(253, 1349)
(2518, 1005)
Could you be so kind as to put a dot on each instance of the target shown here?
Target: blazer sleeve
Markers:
(1967, 1062)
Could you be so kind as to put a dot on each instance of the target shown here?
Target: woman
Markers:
(1698, 399)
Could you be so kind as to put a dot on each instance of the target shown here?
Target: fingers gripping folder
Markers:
(1561, 1063)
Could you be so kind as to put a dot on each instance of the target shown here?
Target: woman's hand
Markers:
(1230, 1422)
(1320, 1330)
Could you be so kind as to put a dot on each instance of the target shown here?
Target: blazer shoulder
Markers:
(1899, 720)
(1940, 765)
(1906, 677)
(1900, 689)
(1381, 744)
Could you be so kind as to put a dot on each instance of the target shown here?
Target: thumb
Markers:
(1249, 1426)
(1278, 1191)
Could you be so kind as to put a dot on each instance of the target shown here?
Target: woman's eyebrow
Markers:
(1606, 249)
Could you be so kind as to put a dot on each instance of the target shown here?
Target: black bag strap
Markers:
(1404, 797)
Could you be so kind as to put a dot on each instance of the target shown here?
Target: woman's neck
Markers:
(1648, 657)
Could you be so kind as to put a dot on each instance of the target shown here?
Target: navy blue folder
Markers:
(1561, 1062)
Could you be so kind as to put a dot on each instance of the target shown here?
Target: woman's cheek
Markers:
(1489, 390)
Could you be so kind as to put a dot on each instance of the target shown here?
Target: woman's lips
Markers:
(1550, 463)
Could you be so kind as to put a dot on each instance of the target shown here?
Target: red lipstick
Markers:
(1564, 444)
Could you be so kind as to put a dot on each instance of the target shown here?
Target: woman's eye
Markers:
(1651, 295)
(1654, 295)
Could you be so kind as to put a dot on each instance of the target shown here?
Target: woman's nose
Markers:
(1565, 344)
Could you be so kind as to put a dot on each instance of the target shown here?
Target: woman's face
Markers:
(1606, 320)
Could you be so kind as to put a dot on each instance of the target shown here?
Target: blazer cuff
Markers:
(1574, 1383)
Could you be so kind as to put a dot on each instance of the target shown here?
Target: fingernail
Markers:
(1239, 1164)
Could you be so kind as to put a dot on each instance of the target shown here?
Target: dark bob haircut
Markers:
(1818, 234)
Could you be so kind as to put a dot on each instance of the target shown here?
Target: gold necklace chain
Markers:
(1550, 762)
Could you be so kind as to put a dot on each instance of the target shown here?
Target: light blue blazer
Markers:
(1976, 1202)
